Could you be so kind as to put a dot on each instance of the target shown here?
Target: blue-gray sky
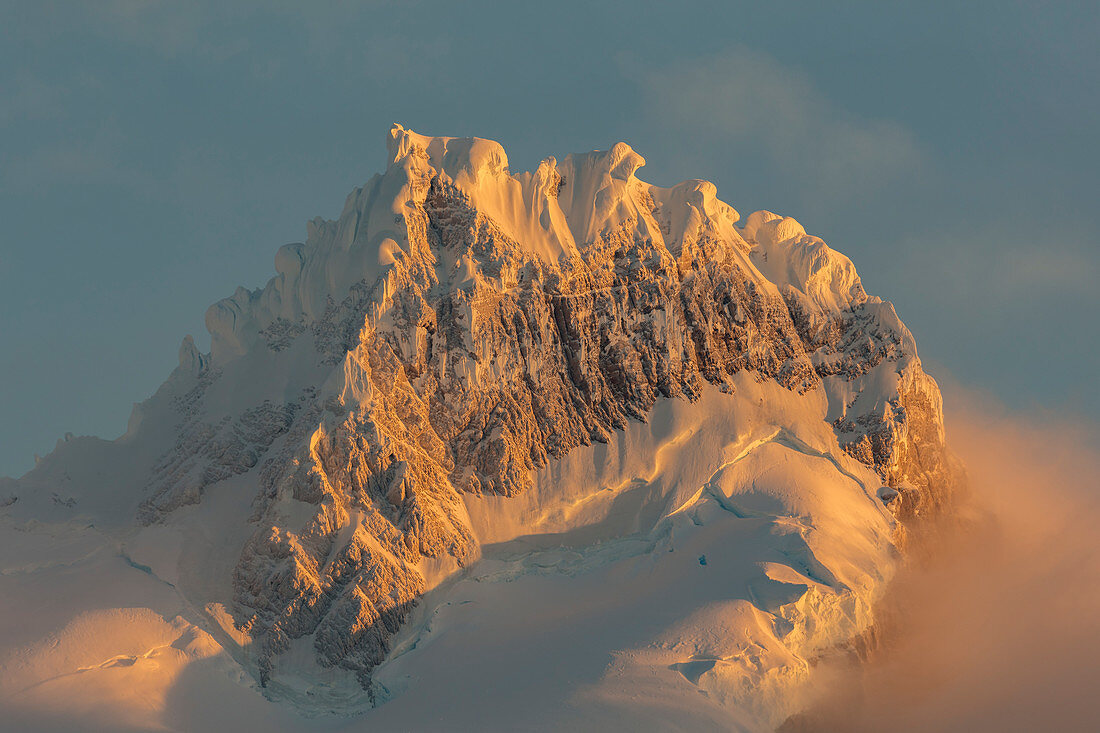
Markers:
(154, 155)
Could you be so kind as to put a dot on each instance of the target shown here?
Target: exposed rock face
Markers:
(482, 325)
(206, 453)
(377, 478)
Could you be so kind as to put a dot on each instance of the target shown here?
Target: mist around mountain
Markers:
(996, 629)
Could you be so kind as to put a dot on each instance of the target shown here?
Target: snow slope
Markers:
(559, 449)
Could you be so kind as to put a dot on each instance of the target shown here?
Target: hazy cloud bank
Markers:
(743, 103)
(1000, 630)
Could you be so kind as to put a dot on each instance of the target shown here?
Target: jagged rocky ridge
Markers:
(459, 326)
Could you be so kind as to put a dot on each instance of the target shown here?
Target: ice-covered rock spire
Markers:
(467, 356)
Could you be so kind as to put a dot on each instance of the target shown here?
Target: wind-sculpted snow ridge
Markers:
(396, 400)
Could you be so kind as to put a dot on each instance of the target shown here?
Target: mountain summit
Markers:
(558, 446)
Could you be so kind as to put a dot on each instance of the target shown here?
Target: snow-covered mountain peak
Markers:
(569, 215)
(790, 258)
(457, 157)
(483, 400)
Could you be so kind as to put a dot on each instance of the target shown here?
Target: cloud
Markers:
(1001, 263)
(743, 101)
(1000, 629)
(165, 27)
(94, 158)
(362, 39)
(26, 97)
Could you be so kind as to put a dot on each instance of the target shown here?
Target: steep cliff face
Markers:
(514, 319)
(418, 365)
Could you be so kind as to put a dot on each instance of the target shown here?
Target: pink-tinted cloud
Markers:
(1000, 629)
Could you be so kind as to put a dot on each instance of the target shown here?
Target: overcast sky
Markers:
(154, 156)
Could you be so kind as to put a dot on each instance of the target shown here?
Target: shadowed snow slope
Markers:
(559, 449)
